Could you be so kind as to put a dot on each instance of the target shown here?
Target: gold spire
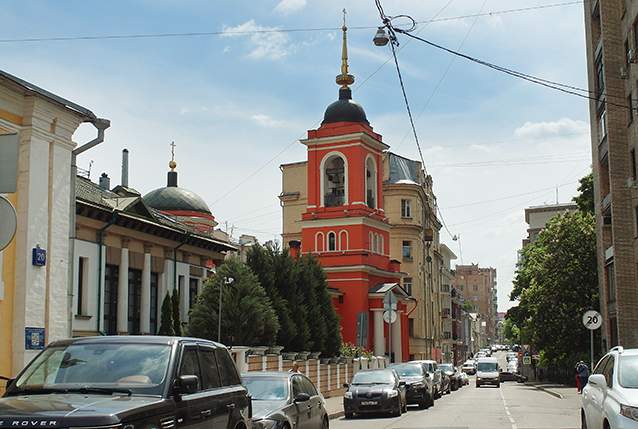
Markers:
(172, 164)
(344, 79)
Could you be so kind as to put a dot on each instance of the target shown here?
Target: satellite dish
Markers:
(8, 222)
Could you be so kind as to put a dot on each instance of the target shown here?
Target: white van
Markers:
(487, 372)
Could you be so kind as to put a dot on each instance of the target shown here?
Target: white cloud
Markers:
(560, 128)
(267, 43)
(266, 121)
(482, 148)
(286, 7)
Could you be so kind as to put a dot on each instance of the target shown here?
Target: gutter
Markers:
(101, 125)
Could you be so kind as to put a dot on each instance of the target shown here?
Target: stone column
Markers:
(145, 300)
(122, 291)
(396, 339)
(379, 337)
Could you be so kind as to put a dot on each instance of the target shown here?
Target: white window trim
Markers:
(318, 240)
(328, 242)
(322, 185)
(341, 244)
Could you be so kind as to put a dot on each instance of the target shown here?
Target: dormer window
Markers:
(334, 181)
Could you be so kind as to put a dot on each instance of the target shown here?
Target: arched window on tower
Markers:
(319, 244)
(334, 181)
(332, 241)
(375, 243)
(371, 183)
(343, 240)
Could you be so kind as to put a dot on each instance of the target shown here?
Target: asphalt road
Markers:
(513, 406)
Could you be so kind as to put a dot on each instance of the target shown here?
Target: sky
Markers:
(237, 104)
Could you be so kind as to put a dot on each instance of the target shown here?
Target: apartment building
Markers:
(478, 286)
(612, 44)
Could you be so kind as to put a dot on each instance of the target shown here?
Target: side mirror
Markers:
(302, 397)
(186, 384)
(597, 380)
(346, 386)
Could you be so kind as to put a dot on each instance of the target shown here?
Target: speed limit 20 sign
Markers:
(592, 320)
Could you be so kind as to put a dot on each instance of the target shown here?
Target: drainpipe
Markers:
(175, 289)
(101, 125)
(100, 242)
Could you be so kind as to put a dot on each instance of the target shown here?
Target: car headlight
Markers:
(265, 424)
(347, 395)
(392, 393)
(629, 412)
(478, 378)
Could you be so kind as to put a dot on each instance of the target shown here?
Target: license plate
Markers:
(369, 402)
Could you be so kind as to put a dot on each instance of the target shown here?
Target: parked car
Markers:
(285, 399)
(511, 356)
(418, 383)
(469, 367)
(610, 398)
(453, 374)
(487, 372)
(128, 381)
(375, 391)
(437, 380)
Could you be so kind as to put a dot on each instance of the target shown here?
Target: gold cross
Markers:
(172, 151)
(344, 17)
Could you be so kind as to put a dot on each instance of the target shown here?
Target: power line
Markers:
(509, 164)
(266, 31)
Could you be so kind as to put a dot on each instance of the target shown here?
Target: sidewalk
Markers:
(559, 391)
(334, 407)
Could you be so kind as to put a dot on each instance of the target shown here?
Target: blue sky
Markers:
(233, 102)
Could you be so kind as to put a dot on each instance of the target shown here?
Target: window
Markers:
(608, 371)
(381, 249)
(611, 283)
(371, 183)
(319, 242)
(111, 276)
(334, 181)
(630, 110)
(600, 77)
(82, 281)
(406, 209)
(190, 365)
(375, 242)
(192, 291)
(407, 250)
(475, 288)
(210, 375)
(627, 52)
(297, 387)
(134, 300)
(332, 242)
(411, 328)
(634, 170)
(602, 126)
(227, 369)
(445, 288)
(407, 285)
(154, 304)
(343, 240)
(308, 387)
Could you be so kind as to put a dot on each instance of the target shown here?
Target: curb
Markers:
(549, 392)
(336, 415)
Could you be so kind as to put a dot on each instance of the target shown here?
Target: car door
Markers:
(233, 397)
(593, 398)
(316, 403)
(212, 388)
(193, 411)
(607, 405)
(304, 409)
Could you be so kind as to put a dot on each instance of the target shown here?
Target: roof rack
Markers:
(618, 349)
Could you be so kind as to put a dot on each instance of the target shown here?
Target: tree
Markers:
(166, 320)
(177, 323)
(585, 200)
(332, 340)
(556, 282)
(511, 332)
(248, 317)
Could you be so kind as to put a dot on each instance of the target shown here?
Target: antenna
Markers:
(90, 165)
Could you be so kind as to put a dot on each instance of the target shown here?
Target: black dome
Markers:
(344, 110)
(174, 198)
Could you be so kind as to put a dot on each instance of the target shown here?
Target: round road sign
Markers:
(592, 320)
(8, 222)
(390, 316)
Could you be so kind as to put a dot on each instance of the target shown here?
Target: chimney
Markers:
(125, 168)
(105, 182)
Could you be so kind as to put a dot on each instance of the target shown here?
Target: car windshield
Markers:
(628, 372)
(266, 388)
(487, 366)
(118, 367)
(373, 377)
(408, 370)
(446, 367)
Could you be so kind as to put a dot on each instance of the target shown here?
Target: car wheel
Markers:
(498, 385)
(478, 385)
(397, 411)
(583, 420)
(405, 407)
(423, 403)
(431, 400)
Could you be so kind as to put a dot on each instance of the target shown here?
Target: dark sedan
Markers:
(375, 391)
(419, 387)
(454, 375)
(285, 400)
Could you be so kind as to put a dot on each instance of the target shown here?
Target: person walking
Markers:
(582, 374)
(295, 368)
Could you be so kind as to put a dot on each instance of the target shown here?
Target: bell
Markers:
(381, 38)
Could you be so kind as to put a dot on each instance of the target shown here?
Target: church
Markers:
(333, 208)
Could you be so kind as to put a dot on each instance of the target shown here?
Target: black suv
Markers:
(128, 382)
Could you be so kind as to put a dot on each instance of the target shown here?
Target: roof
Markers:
(34, 89)
(387, 287)
(134, 339)
(174, 198)
(271, 374)
(344, 110)
(403, 170)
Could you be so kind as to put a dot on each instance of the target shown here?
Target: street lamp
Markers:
(381, 38)
(227, 281)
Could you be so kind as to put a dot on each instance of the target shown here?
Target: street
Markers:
(516, 406)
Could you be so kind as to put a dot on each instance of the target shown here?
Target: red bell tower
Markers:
(345, 225)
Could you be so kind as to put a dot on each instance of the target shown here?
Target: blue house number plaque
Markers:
(39, 257)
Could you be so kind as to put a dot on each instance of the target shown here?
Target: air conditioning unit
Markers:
(624, 74)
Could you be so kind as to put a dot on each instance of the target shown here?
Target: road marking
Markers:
(507, 410)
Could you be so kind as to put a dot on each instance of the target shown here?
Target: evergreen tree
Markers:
(166, 321)
(177, 323)
(248, 317)
(329, 316)
(309, 287)
(287, 275)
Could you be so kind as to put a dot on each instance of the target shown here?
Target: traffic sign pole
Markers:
(591, 368)
(592, 321)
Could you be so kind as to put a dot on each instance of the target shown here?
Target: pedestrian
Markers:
(582, 374)
(295, 368)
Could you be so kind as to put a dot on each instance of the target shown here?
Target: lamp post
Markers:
(227, 281)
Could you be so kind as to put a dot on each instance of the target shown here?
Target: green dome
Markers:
(174, 198)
